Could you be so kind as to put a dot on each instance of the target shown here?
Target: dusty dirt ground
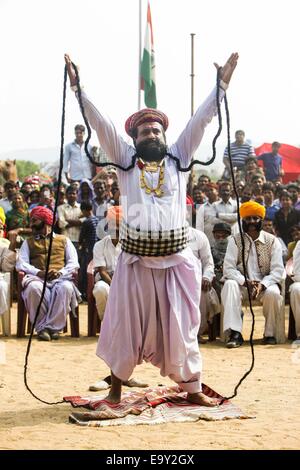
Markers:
(68, 366)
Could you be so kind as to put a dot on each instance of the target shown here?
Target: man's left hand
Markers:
(53, 274)
(228, 68)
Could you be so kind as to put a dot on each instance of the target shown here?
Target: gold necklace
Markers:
(152, 167)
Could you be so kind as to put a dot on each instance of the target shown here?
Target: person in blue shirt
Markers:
(272, 163)
(270, 205)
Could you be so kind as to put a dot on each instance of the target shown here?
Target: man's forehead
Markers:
(149, 125)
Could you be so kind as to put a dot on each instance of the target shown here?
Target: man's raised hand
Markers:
(227, 70)
(70, 70)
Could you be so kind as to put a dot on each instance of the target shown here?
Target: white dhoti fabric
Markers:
(100, 292)
(232, 295)
(60, 297)
(4, 286)
(209, 307)
(152, 314)
(295, 304)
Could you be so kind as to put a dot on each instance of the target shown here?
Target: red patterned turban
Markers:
(42, 213)
(145, 115)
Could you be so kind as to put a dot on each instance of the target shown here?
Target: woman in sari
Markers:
(17, 219)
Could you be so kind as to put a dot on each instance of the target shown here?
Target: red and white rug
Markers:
(149, 406)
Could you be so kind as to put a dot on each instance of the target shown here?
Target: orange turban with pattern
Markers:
(252, 208)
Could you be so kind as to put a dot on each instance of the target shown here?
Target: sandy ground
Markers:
(66, 367)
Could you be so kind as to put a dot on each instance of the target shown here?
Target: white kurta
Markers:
(105, 254)
(152, 312)
(209, 302)
(295, 288)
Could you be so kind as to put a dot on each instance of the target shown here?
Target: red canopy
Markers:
(290, 160)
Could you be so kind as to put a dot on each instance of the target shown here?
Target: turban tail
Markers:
(42, 213)
(145, 115)
(252, 208)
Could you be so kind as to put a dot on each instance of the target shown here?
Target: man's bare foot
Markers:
(114, 395)
(201, 399)
(113, 398)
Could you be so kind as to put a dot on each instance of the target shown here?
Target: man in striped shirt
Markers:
(239, 151)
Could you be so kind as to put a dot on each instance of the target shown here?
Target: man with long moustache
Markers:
(60, 294)
(152, 312)
(265, 271)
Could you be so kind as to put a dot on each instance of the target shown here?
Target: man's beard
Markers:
(151, 150)
(257, 226)
(36, 228)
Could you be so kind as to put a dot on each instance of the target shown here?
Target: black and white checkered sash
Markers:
(149, 243)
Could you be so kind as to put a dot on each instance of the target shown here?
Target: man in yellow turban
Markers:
(265, 270)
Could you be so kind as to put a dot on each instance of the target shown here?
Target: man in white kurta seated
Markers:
(263, 258)
(209, 302)
(295, 291)
(105, 256)
(61, 294)
(7, 264)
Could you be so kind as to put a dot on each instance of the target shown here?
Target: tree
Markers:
(26, 168)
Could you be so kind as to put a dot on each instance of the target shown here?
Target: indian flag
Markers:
(148, 66)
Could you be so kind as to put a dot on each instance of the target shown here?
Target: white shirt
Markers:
(210, 219)
(105, 254)
(5, 204)
(71, 263)
(76, 162)
(142, 210)
(226, 212)
(199, 244)
(230, 270)
(65, 213)
(296, 263)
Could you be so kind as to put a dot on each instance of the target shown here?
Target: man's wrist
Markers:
(223, 85)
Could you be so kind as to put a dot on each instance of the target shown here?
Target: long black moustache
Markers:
(246, 226)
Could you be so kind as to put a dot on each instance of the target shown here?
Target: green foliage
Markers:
(26, 168)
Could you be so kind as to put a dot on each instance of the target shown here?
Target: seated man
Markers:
(7, 264)
(60, 294)
(295, 291)
(209, 303)
(105, 255)
(263, 258)
(106, 252)
(221, 233)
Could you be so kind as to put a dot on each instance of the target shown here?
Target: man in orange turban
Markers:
(265, 270)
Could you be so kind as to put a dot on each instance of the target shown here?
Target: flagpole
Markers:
(192, 73)
(191, 179)
(140, 54)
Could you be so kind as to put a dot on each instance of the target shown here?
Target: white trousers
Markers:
(295, 304)
(209, 306)
(100, 292)
(232, 295)
(3, 296)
